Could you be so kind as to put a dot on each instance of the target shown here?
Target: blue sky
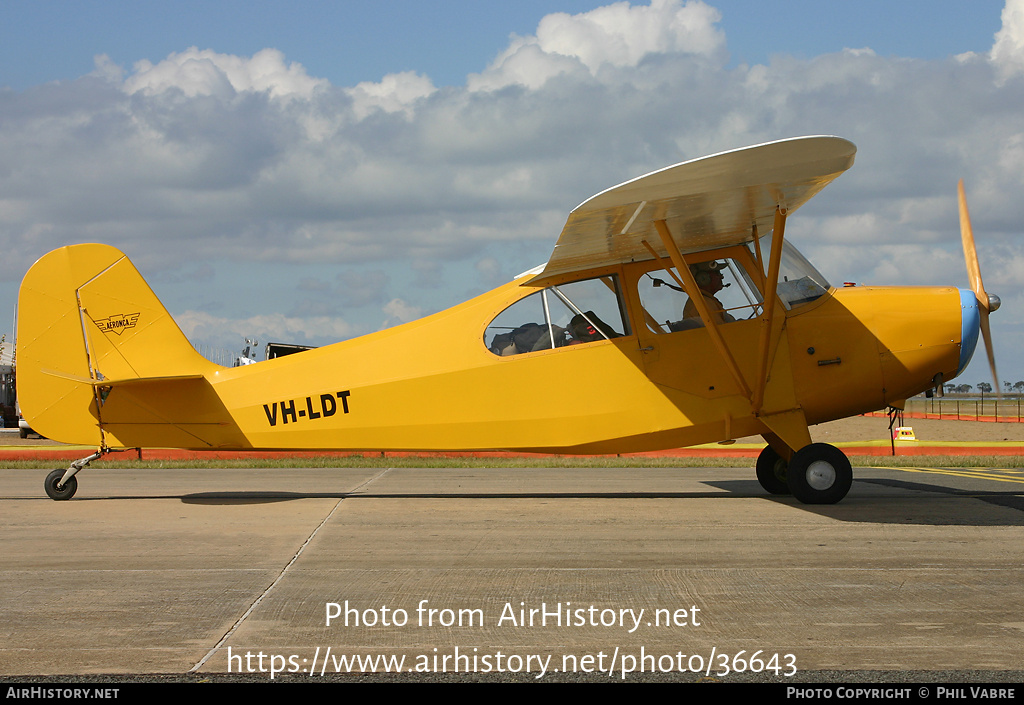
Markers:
(386, 160)
(348, 42)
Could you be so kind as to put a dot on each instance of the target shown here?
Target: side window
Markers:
(724, 285)
(566, 314)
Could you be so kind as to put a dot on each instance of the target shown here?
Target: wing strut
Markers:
(683, 269)
(756, 239)
(787, 429)
(771, 293)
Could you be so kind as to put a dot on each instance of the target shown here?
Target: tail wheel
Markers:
(819, 474)
(771, 472)
(59, 492)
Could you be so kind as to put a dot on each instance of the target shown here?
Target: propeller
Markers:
(987, 303)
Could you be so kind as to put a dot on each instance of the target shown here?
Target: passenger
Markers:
(587, 327)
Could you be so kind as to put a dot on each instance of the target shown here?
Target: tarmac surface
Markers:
(518, 573)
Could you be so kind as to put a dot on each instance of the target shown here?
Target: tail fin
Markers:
(101, 362)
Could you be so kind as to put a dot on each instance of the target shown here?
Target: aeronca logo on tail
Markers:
(118, 323)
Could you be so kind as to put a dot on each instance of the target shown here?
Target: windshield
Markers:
(799, 282)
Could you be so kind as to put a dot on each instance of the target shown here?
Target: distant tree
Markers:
(1019, 386)
(950, 388)
(984, 387)
(964, 388)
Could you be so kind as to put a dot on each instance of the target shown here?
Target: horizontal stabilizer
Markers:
(118, 382)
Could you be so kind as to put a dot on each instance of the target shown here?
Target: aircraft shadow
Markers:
(262, 497)
(907, 503)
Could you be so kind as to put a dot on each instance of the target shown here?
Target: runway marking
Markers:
(984, 474)
(280, 576)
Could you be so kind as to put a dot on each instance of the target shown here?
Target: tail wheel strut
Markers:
(62, 484)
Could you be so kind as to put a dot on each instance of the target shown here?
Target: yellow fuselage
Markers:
(433, 385)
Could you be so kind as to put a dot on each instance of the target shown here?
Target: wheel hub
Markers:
(821, 475)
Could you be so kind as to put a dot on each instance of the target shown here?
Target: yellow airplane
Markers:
(672, 312)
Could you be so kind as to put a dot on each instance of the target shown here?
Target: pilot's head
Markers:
(708, 275)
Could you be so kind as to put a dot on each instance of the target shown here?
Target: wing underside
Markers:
(707, 203)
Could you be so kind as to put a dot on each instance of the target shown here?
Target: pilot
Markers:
(708, 276)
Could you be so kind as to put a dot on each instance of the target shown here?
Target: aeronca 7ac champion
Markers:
(672, 312)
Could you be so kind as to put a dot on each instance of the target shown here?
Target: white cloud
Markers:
(619, 35)
(623, 34)
(207, 73)
(399, 312)
(889, 265)
(395, 93)
(1008, 51)
(208, 157)
(106, 69)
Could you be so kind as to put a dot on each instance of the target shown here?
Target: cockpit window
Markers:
(566, 314)
(725, 287)
(799, 282)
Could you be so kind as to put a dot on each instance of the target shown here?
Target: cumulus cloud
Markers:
(1008, 51)
(395, 93)
(207, 73)
(207, 157)
(619, 35)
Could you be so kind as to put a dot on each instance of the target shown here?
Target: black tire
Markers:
(771, 472)
(23, 432)
(60, 493)
(819, 474)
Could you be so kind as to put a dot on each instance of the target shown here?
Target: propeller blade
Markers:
(986, 335)
(970, 252)
(986, 304)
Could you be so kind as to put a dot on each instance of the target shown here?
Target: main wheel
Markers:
(819, 474)
(771, 472)
(66, 492)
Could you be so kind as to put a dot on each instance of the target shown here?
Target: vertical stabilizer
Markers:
(86, 317)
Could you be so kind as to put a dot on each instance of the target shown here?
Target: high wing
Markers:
(707, 203)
